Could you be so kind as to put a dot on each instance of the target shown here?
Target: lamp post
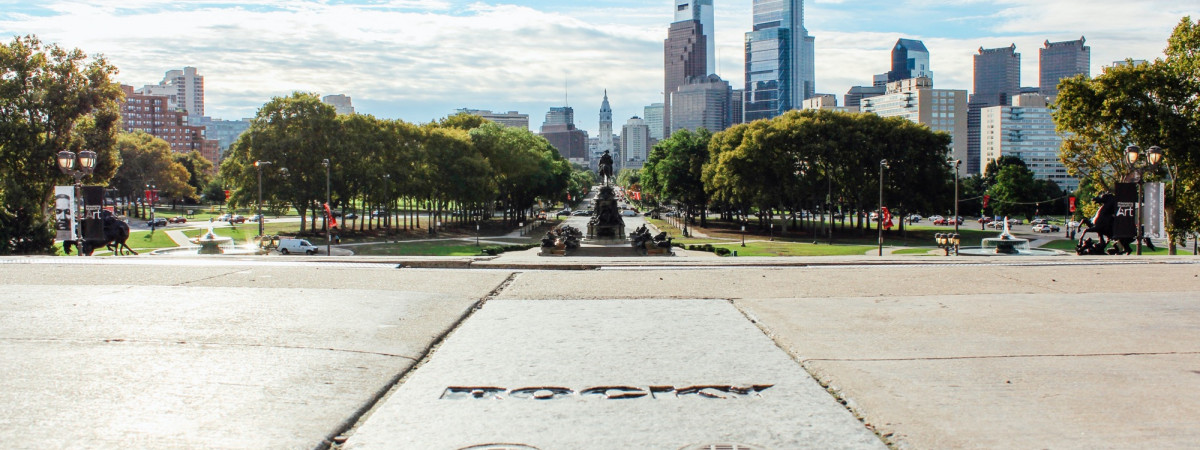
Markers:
(151, 196)
(66, 163)
(328, 237)
(258, 165)
(1154, 156)
(957, 163)
(883, 164)
(387, 202)
(743, 234)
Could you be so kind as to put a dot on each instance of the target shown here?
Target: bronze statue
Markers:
(606, 168)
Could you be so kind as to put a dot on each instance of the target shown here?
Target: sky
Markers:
(419, 60)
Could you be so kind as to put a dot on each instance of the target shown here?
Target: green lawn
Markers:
(784, 248)
(912, 251)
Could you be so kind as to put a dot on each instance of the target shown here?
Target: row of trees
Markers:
(460, 167)
(1148, 104)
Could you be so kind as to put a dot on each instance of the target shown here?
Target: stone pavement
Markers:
(671, 353)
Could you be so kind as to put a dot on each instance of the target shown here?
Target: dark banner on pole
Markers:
(93, 203)
(1125, 220)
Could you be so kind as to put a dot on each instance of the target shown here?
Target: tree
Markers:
(1153, 104)
(674, 170)
(147, 160)
(51, 99)
(199, 172)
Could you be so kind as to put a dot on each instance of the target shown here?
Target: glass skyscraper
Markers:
(910, 59)
(780, 72)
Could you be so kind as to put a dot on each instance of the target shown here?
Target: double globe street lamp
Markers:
(1133, 157)
(87, 163)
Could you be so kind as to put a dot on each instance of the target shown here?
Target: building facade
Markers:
(605, 143)
(154, 115)
(511, 119)
(225, 132)
(910, 59)
(826, 102)
(700, 11)
(1058, 60)
(635, 141)
(780, 69)
(340, 102)
(189, 90)
(1025, 130)
(915, 99)
(653, 115)
(856, 94)
(702, 103)
(997, 80)
(559, 129)
(684, 54)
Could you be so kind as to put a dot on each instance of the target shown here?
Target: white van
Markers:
(289, 246)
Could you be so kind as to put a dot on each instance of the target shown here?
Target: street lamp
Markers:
(1154, 156)
(151, 196)
(743, 234)
(957, 163)
(328, 238)
(258, 165)
(883, 164)
(66, 163)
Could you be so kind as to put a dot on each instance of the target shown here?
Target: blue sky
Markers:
(418, 60)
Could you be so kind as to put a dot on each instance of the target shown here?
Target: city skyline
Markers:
(419, 60)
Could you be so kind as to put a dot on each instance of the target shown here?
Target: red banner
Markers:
(1072, 201)
(985, 200)
(887, 219)
(329, 217)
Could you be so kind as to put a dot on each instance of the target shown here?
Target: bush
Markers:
(493, 250)
(721, 251)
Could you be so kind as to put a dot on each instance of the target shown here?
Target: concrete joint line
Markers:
(343, 431)
(185, 283)
(954, 358)
(202, 344)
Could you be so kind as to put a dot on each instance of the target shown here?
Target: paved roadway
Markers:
(770, 353)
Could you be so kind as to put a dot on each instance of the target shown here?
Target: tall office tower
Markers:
(780, 70)
(606, 134)
(684, 57)
(560, 115)
(653, 115)
(702, 103)
(1058, 60)
(700, 11)
(559, 129)
(736, 112)
(997, 80)
(910, 59)
(340, 102)
(635, 142)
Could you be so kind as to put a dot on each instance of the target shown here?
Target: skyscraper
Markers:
(341, 102)
(910, 59)
(653, 114)
(702, 103)
(700, 11)
(780, 70)
(1058, 60)
(997, 80)
(605, 139)
(684, 54)
(189, 85)
(559, 129)
(635, 143)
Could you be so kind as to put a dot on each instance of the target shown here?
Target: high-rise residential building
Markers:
(997, 79)
(780, 68)
(653, 115)
(1025, 130)
(606, 127)
(635, 141)
(700, 11)
(340, 102)
(189, 88)
(1058, 60)
(684, 54)
(511, 119)
(559, 129)
(915, 99)
(910, 59)
(702, 103)
(154, 115)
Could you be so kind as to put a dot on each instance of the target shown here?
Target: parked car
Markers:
(629, 213)
(351, 216)
(238, 218)
(935, 218)
(1045, 228)
(256, 218)
(985, 220)
(177, 219)
(1073, 224)
(289, 246)
(581, 213)
(563, 212)
(915, 218)
(1038, 221)
(157, 222)
(224, 217)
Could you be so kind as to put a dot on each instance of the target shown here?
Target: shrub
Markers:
(721, 251)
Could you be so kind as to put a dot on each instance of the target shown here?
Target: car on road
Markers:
(351, 216)
(947, 221)
(157, 222)
(177, 219)
(1045, 228)
(238, 218)
(257, 217)
(915, 218)
(289, 246)
(581, 213)
(629, 213)
(1073, 224)
(563, 212)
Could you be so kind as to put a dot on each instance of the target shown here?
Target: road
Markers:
(854, 352)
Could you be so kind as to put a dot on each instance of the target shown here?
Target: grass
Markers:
(784, 248)
(912, 251)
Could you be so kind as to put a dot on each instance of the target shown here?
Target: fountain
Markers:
(1006, 245)
(210, 243)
